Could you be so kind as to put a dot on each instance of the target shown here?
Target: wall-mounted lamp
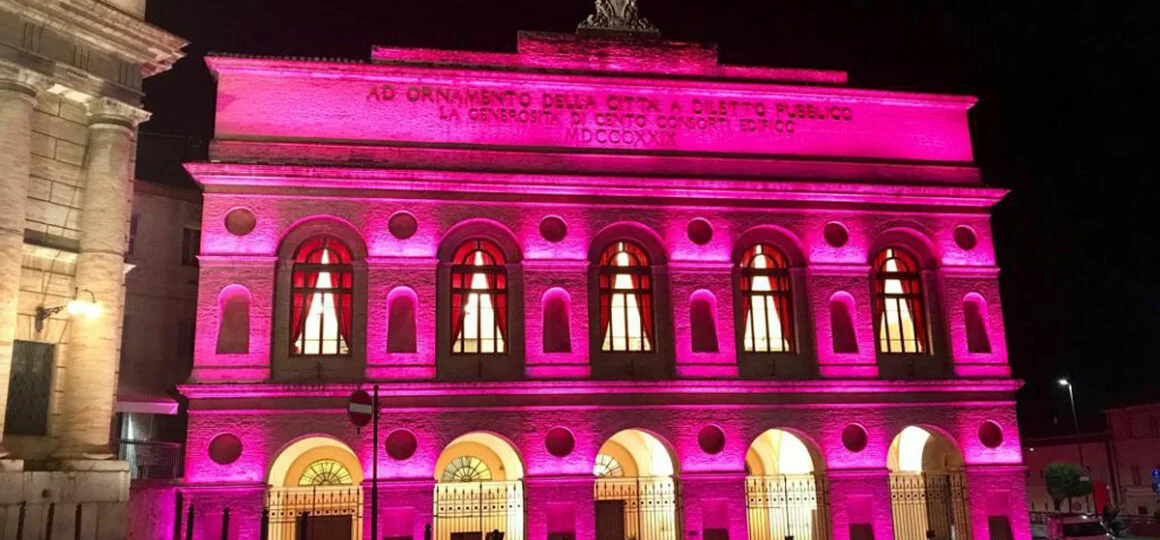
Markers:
(75, 307)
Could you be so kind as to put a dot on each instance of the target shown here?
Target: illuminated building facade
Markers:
(71, 74)
(609, 288)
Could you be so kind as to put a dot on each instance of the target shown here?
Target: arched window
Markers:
(233, 320)
(975, 313)
(899, 313)
(703, 321)
(479, 299)
(626, 313)
(607, 467)
(556, 322)
(401, 321)
(766, 300)
(325, 472)
(842, 335)
(321, 288)
(466, 469)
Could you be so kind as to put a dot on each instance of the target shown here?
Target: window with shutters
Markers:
(29, 388)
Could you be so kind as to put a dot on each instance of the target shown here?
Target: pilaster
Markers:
(859, 501)
(997, 494)
(831, 284)
(713, 502)
(558, 505)
(91, 365)
(405, 507)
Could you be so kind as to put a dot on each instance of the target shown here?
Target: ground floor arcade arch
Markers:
(637, 493)
(315, 492)
(785, 488)
(479, 489)
(927, 487)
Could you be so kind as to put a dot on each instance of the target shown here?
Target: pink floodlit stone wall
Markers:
(249, 261)
(264, 433)
(358, 102)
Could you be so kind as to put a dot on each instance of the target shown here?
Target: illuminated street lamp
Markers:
(1071, 398)
(75, 307)
(1075, 422)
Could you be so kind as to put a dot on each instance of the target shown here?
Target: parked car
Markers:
(1076, 528)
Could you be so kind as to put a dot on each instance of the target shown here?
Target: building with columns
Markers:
(605, 287)
(70, 94)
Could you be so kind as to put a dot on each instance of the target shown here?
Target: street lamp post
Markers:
(1075, 423)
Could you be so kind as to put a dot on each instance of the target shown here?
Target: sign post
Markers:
(375, 469)
(364, 409)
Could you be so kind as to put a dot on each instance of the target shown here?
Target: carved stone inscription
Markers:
(611, 119)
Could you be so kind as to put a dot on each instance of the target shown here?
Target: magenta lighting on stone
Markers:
(565, 379)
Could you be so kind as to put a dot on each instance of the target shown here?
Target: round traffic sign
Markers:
(360, 409)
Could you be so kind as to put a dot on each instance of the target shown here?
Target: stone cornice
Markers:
(884, 388)
(14, 77)
(106, 28)
(110, 111)
(297, 180)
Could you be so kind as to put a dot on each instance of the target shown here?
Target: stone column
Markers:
(18, 89)
(90, 370)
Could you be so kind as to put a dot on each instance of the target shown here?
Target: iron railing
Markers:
(152, 460)
(313, 513)
(787, 507)
(929, 506)
(474, 510)
(644, 508)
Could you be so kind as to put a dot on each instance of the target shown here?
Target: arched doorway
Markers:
(927, 489)
(637, 493)
(784, 489)
(315, 492)
(479, 489)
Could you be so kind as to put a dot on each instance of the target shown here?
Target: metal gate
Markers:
(787, 506)
(313, 513)
(649, 509)
(474, 510)
(929, 506)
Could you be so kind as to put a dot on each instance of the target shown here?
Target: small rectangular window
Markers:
(132, 234)
(190, 246)
(29, 388)
(1136, 475)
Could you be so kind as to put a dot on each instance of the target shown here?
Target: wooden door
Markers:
(610, 520)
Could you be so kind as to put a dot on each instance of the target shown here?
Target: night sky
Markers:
(1062, 121)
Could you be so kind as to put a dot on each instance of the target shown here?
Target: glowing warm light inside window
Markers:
(641, 476)
(911, 444)
(782, 490)
(607, 466)
(466, 469)
(480, 332)
(779, 452)
(626, 326)
(899, 298)
(320, 334)
(794, 458)
(766, 291)
(325, 472)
